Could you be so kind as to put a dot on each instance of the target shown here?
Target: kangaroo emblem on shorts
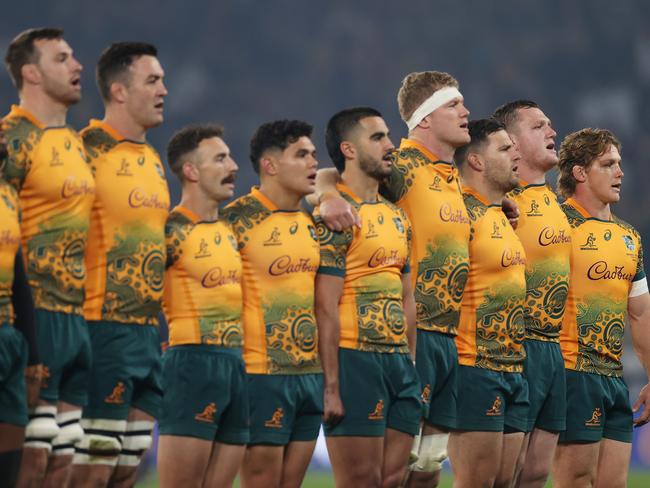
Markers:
(594, 421)
(116, 395)
(495, 410)
(378, 412)
(208, 413)
(276, 420)
(426, 393)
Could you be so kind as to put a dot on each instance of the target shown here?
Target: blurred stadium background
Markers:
(586, 62)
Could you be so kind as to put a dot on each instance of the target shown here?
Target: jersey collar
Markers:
(17, 111)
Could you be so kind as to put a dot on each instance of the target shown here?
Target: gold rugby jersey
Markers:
(126, 253)
(606, 259)
(428, 190)
(9, 244)
(48, 168)
(545, 233)
(202, 298)
(492, 328)
(371, 262)
(280, 256)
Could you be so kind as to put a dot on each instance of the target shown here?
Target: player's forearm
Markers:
(639, 326)
(411, 324)
(326, 180)
(328, 340)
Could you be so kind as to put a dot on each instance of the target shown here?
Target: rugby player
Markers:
(47, 167)
(18, 352)
(425, 183)
(607, 288)
(366, 314)
(204, 418)
(546, 236)
(280, 256)
(125, 261)
(492, 393)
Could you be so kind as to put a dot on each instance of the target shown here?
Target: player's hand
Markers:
(333, 408)
(642, 401)
(33, 377)
(338, 214)
(511, 210)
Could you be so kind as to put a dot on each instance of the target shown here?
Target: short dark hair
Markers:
(507, 113)
(187, 140)
(339, 127)
(581, 148)
(479, 130)
(278, 134)
(21, 50)
(116, 60)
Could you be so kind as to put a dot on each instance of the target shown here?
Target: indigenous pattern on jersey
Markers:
(126, 252)
(9, 244)
(428, 190)
(280, 256)
(606, 259)
(492, 328)
(49, 169)
(371, 261)
(546, 236)
(202, 299)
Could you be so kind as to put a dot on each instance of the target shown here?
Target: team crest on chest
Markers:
(294, 228)
(124, 168)
(607, 235)
(590, 243)
(274, 238)
(67, 144)
(547, 200)
(380, 219)
(217, 238)
(435, 186)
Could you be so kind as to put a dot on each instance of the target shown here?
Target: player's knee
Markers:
(137, 439)
(364, 475)
(101, 443)
(41, 428)
(70, 433)
(433, 451)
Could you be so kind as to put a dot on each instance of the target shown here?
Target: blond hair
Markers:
(417, 87)
(581, 148)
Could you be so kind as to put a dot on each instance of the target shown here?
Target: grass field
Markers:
(315, 479)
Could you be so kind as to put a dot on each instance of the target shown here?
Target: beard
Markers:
(373, 167)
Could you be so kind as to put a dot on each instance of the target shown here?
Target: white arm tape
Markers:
(639, 287)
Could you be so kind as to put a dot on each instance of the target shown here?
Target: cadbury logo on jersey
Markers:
(381, 257)
(512, 258)
(73, 188)
(600, 270)
(457, 216)
(285, 265)
(215, 277)
(8, 239)
(548, 236)
(138, 198)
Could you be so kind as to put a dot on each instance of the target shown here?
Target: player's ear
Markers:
(475, 162)
(30, 73)
(347, 149)
(268, 165)
(579, 173)
(118, 92)
(190, 172)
